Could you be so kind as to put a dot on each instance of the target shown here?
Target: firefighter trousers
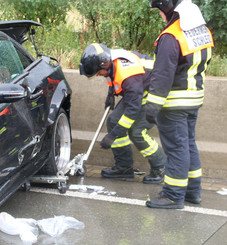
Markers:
(147, 146)
(183, 167)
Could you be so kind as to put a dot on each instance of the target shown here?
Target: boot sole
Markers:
(153, 182)
(118, 176)
(194, 201)
(174, 206)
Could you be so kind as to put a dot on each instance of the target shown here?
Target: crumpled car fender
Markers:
(62, 95)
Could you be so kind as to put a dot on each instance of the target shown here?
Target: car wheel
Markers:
(60, 145)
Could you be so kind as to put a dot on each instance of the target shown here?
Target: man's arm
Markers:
(166, 62)
(132, 99)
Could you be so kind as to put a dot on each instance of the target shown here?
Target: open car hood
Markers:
(17, 29)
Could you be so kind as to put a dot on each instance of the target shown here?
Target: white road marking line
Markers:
(124, 200)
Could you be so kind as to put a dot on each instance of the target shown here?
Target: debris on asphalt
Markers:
(94, 189)
(28, 231)
(25, 228)
(223, 191)
(57, 225)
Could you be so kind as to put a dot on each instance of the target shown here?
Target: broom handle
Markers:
(97, 133)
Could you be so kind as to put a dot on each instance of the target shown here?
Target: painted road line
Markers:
(124, 200)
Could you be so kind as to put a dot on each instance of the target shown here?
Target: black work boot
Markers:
(118, 172)
(192, 199)
(156, 176)
(161, 201)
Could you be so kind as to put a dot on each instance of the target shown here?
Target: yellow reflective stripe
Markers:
(209, 54)
(193, 70)
(175, 182)
(125, 122)
(185, 94)
(150, 150)
(34, 104)
(195, 174)
(153, 145)
(145, 93)
(98, 48)
(144, 101)
(183, 102)
(156, 99)
(3, 130)
(120, 142)
(26, 139)
(184, 98)
(13, 151)
(148, 64)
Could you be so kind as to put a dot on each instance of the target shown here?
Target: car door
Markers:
(19, 134)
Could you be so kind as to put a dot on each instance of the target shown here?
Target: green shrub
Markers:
(215, 14)
(218, 66)
(47, 12)
(59, 42)
(123, 24)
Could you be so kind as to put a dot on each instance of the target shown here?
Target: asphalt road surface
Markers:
(114, 213)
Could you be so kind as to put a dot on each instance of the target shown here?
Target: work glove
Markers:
(110, 101)
(107, 141)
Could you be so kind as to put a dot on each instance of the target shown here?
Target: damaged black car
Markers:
(35, 100)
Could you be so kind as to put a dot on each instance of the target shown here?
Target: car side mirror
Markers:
(10, 93)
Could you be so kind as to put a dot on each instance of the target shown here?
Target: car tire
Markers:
(60, 145)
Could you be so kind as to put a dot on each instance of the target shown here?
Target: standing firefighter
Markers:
(183, 51)
(130, 75)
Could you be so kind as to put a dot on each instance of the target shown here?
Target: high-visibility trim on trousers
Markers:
(175, 182)
(195, 174)
(153, 145)
(121, 142)
(126, 122)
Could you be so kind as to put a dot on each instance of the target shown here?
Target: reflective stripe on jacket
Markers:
(187, 89)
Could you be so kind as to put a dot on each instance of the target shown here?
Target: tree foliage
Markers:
(130, 24)
(47, 12)
(215, 14)
(120, 23)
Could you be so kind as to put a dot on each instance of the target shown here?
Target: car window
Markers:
(26, 61)
(10, 63)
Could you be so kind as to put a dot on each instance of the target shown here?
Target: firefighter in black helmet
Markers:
(129, 73)
(183, 51)
(94, 59)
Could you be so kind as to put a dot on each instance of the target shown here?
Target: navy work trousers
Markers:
(183, 166)
(123, 155)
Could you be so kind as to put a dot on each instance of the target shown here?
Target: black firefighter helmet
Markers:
(166, 6)
(95, 58)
